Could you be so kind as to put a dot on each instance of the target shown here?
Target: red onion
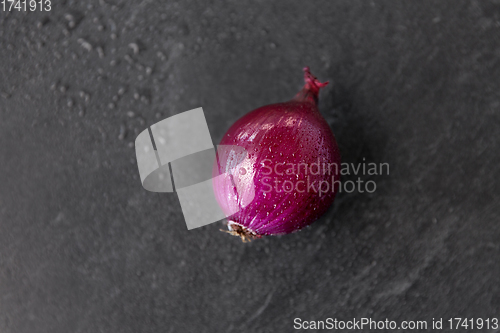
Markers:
(288, 176)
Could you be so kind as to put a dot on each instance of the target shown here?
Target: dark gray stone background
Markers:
(84, 248)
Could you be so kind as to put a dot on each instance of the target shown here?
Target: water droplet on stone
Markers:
(85, 44)
(123, 132)
(128, 59)
(134, 47)
(100, 52)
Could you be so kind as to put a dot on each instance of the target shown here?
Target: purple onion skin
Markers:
(291, 132)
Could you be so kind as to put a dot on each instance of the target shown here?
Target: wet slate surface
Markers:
(83, 248)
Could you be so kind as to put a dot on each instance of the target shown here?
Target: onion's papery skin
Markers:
(291, 132)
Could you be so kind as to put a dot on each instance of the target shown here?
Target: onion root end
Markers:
(243, 232)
